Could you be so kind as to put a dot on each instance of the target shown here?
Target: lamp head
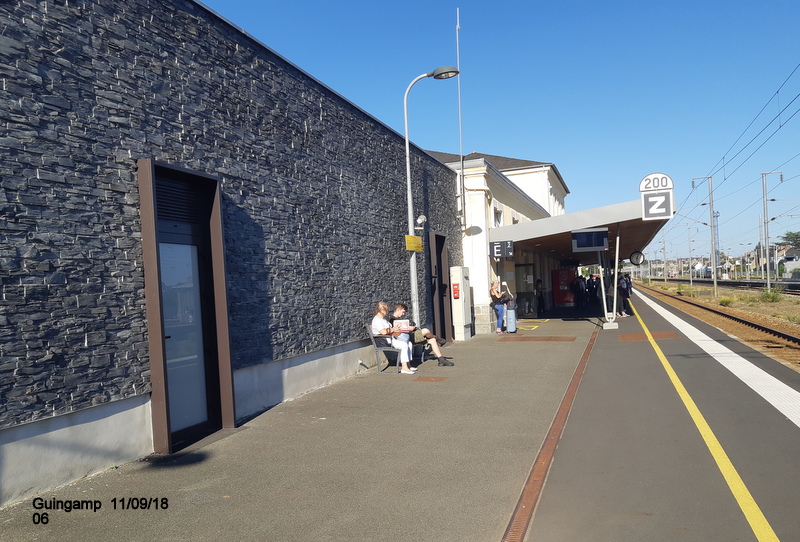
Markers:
(444, 72)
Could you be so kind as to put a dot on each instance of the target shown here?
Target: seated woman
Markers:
(381, 326)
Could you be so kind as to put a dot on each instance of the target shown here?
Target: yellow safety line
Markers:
(759, 524)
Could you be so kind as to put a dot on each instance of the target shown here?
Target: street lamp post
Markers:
(443, 72)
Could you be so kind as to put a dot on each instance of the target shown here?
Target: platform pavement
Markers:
(438, 456)
(690, 436)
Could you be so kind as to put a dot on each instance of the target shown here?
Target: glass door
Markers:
(183, 336)
(525, 279)
(187, 316)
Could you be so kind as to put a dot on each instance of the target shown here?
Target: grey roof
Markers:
(501, 163)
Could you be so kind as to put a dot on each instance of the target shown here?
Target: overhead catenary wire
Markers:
(774, 96)
(689, 210)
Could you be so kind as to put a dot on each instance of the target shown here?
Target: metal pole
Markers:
(611, 316)
(761, 245)
(413, 261)
(766, 224)
(776, 266)
(713, 235)
(616, 269)
(462, 200)
(747, 255)
(691, 270)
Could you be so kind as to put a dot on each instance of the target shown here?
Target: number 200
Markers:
(656, 183)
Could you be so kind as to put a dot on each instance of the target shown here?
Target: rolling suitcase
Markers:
(511, 316)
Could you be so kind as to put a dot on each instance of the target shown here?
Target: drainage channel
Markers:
(531, 491)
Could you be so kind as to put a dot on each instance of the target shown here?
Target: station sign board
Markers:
(501, 249)
(657, 199)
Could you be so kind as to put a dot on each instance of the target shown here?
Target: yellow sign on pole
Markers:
(414, 243)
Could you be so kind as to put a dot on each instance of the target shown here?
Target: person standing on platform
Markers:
(498, 303)
(624, 293)
(539, 288)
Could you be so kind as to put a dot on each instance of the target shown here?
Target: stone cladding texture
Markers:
(314, 205)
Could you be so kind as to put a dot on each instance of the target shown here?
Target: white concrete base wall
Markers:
(49, 453)
(485, 319)
(262, 386)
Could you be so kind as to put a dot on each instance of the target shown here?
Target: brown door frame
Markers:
(440, 281)
(162, 436)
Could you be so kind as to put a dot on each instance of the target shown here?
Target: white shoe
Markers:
(406, 372)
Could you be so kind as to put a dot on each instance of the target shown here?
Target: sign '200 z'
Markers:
(657, 202)
(656, 181)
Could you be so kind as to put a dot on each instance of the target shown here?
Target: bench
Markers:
(376, 339)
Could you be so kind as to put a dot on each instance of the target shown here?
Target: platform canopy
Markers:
(553, 235)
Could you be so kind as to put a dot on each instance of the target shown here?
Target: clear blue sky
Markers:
(608, 91)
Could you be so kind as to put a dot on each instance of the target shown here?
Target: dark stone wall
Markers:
(314, 205)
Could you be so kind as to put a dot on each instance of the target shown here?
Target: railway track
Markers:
(786, 287)
(764, 329)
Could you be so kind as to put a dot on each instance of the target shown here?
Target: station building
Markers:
(193, 229)
(518, 207)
